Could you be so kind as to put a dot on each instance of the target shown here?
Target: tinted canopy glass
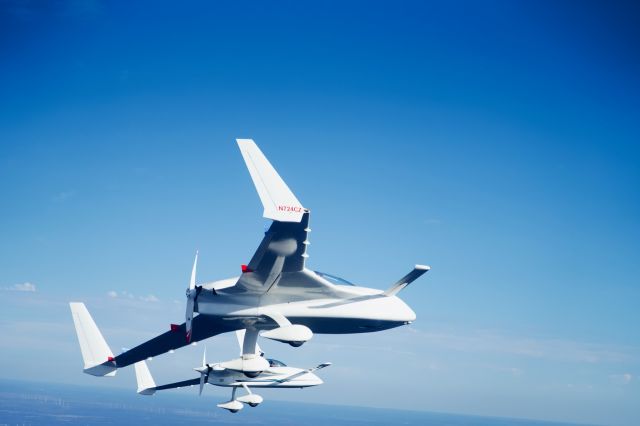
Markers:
(333, 279)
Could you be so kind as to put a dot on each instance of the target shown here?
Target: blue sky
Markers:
(497, 142)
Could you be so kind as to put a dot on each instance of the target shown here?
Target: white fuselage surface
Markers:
(306, 298)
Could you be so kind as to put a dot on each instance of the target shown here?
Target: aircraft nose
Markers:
(315, 380)
(401, 311)
(408, 315)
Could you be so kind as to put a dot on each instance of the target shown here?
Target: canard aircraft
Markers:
(278, 376)
(277, 296)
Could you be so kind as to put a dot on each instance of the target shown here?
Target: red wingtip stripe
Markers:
(111, 359)
(175, 327)
(245, 268)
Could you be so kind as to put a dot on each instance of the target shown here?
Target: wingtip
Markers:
(242, 141)
(278, 201)
(423, 267)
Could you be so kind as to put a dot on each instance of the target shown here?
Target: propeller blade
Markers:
(192, 283)
(189, 317)
(201, 383)
(192, 293)
(204, 370)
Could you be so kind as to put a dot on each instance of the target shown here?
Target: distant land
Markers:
(30, 403)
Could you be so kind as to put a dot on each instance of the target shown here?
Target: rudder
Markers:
(96, 354)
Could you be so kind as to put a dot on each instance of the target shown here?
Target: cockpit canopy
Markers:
(275, 363)
(333, 279)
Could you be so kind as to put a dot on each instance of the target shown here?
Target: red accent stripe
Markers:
(111, 359)
(245, 268)
(175, 327)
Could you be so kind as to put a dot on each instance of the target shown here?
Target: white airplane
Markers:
(276, 295)
(278, 375)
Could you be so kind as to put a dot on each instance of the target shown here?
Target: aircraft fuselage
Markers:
(274, 377)
(325, 308)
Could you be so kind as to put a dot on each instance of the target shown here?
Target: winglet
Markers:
(277, 199)
(98, 358)
(144, 379)
(416, 273)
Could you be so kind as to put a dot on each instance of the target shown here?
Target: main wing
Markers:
(204, 327)
(147, 386)
(99, 360)
(284, 246)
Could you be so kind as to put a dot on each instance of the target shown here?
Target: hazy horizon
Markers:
(71, 404)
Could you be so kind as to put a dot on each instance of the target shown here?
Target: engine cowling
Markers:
(251, 366)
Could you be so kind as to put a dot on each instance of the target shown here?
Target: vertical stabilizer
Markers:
(98, 358)
(144, 379)
(277, 199)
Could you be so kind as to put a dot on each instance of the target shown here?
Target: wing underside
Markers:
(282, 250)
(204, 327)
(190, 382)
(284, 246)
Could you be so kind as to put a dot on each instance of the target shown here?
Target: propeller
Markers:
(192, 294)
(204, 370)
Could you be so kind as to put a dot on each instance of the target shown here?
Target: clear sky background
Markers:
(496, 141)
